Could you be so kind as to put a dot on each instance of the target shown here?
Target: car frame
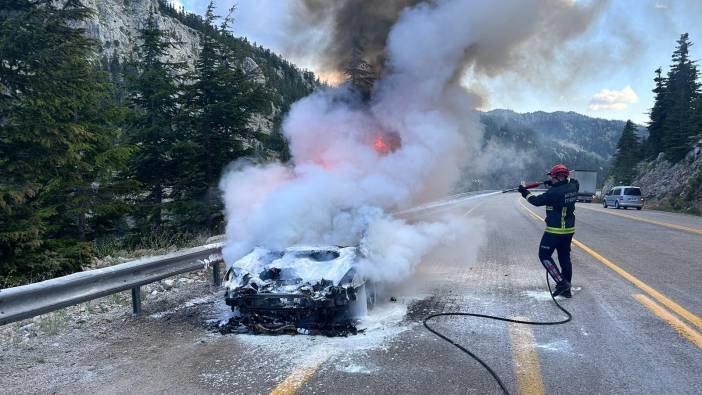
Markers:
(621, 197)
(265, 301)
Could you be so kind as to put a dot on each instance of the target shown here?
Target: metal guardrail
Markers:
(30, 300)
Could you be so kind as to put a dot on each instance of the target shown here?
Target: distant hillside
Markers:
(526, 145)
(570, 129)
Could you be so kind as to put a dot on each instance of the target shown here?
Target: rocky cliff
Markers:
(115, 24)
(673, 186)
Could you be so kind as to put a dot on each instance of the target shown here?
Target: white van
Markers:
(623, 196)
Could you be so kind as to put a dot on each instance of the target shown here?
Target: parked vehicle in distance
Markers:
(623, 196)
(588, 183)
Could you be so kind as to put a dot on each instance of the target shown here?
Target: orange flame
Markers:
(324, 163)
(386, 142)
(380, 145)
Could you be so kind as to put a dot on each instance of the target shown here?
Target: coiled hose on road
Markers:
(492, 317)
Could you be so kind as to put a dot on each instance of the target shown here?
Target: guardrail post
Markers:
(136, 300)
(215, 274)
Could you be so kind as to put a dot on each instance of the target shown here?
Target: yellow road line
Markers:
(303, 373)
(682, 328)
(292, 384)
(533, 214)
(664, 300)
(691, 229)
(679, 310)
(527, 368)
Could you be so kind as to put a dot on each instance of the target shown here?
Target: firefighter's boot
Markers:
(562, 289)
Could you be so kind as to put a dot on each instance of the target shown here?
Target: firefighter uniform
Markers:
(560, 226)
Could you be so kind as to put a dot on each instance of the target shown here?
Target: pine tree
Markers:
(696, 121)
(654, 142)
(53, 142)
(220, 103)
(627, 155)
(683, 88)
(155, 92)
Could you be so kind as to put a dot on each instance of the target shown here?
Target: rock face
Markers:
(116, 24)
(677, 186)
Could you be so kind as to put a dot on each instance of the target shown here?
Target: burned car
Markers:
(300, 289)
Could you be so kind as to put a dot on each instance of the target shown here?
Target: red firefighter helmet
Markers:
(559, 169)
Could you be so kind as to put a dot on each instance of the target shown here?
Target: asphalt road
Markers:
(635, 328)
(614, 344)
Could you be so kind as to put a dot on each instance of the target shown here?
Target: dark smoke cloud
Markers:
(527, 41)
(354, 24)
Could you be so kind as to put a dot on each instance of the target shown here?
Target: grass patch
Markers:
(155, 241)
(693, 187)
(120, 299)
(130, 247)
(676, 205)
(51, 323)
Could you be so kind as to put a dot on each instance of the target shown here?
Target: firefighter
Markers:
(559, 200)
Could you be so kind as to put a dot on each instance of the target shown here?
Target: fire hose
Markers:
(527, 186)
(492, 317)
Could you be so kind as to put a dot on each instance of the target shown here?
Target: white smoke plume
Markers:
(339, 189)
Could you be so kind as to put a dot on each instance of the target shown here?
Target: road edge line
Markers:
(683, 329)
(681, 311)
(664, 300)
(650, 221)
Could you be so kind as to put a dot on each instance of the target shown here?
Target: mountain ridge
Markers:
(526, 145)
(597, 135)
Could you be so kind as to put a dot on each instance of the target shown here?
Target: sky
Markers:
(606, 71)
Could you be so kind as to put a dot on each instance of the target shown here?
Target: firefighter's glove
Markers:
(522, 189)
(548, 183)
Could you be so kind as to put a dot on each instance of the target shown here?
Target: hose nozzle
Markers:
(527, 186)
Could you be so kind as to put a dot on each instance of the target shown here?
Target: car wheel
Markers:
(638, 208)
(625, 207)
(616, 204)
(604, 203)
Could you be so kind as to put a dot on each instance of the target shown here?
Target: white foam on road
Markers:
(355, 369)
(557, 346)
(538, 295)
(381, 325)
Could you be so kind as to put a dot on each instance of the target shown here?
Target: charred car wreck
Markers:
(312, 290)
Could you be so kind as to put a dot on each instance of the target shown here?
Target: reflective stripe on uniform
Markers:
(549, 208)
(529, 195)
(560, 231)
(564, 212)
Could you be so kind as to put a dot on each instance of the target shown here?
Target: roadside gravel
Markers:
(59, 350)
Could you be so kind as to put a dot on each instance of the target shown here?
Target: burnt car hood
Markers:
(292, 269)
